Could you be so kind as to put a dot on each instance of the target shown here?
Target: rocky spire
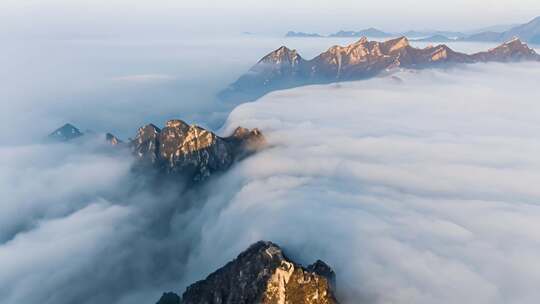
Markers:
(264, 274)
(282, 56)
(191, 151)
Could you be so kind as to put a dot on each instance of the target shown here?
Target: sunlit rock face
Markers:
(264, 274)
(285, 68)
(191, 151)
(513, 50)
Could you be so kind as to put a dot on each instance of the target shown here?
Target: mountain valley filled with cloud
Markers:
(415, 184)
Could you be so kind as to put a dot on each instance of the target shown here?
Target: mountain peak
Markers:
(176, 123)
(190, 151)
(535, 21)
(283, 49)
(396, 44)
(264, 274)
(361, 60)
(362, 40)
(512, 50)
(66, 132)
(514, 40)
(281, 57)
(283, 52)
(112, 140)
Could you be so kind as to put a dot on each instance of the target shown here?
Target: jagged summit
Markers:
(191, 151)
(180, 150)
(283, 55)
(176, 123)
(284, 68)
(512, 50)
(263, 274)
(65, 133)
(396, 44)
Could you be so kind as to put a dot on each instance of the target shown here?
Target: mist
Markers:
(119, 84)
(417, 190)
(406, 185)
(138, 18)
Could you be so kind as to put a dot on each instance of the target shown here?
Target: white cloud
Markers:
(421, 191)
(416, 192)
(141, 78)
(77, 227)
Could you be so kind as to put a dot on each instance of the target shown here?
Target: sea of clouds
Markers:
(415, 188)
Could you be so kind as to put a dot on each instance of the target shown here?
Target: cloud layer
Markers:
(417, 190)
(76, 226)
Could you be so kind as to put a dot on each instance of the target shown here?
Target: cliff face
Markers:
(190, 150)
(264, 275)
(284, 68)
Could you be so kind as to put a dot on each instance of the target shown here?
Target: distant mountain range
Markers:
(370, 32)
(436, 38)
(285, 68)
(302, 35)
(529, 32)
(376, 33)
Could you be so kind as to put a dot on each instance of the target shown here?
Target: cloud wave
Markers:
(416, 191)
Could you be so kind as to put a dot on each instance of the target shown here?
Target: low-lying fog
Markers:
(117, 85)
(418, 188)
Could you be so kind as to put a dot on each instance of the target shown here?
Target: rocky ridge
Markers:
(285, 68)
(262, 274)
(179, 149)
(191, 151)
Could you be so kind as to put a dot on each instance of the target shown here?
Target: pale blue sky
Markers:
(276, 16)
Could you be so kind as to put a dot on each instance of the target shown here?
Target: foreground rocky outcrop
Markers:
(285, 68)
(262, 274)
(190, 151)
